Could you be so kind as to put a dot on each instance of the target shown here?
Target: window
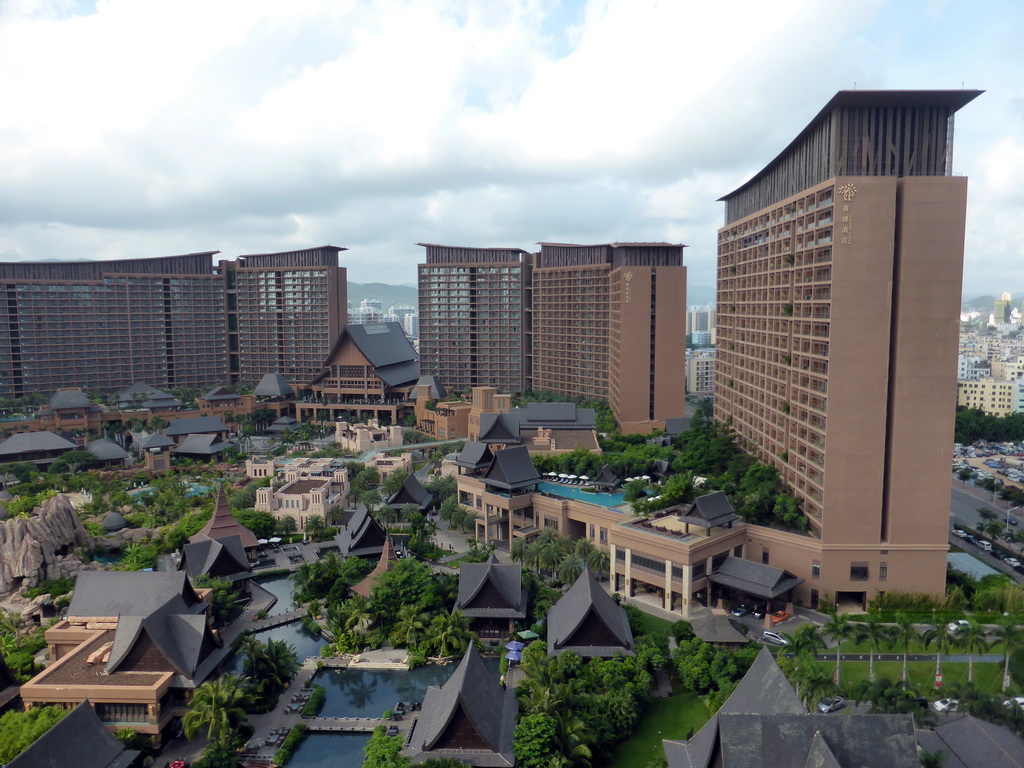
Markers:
(764, 556)
(883, 571)
(699, 570)
(590, 533)
(859, 572)
(814, 599)
(603, 534)
(738, 551)
(815, 569)
(549, 523)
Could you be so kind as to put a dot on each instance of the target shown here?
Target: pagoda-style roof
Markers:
(105, 449)
(512, 469)
(763, 717)
(221, 394)
(606, 478)
(222, 525)
(499, 428)
(475, 455)
(69, 398)
(273, 385)
(752, 578)
(155, 440)
(79, 739)
(388, 558)
(411, 492)
(436, 390)
(106, 594)
(196, 425)
(470, 718)
(219, 558)
(184, 641)
(711, 511)
(491, 590)
(386, 347)
(34, 442)
(588, 621)
(362, 536)
(201, 445)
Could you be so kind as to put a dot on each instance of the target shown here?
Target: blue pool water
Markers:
(571, 492)
(281, 587)
(330, 750)
(193, 489)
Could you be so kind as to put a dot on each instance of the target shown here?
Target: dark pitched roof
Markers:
(185, 640)
(754, 578)
(491, 589)
(131, 593)
(714, 628)
(223, 525)
(606, 477)
(82, 733)
(472, 699)
(511, 469)
(106, 450)
(138, 388)
(223, 558)
(411, 492)
(69, 398)
(437, 390)
(711, 510)
(587, 606)
(362, 536)
(978, 744)
(676, 425)
(220, 393)
(30, 442)
(556, 416)
(273, 385)
(196, 425)
(764, 717)
(764, 690)
(387, 348)
(502, 428)
(155, 440)
(162, 401)
(201, 445)
(475, 456)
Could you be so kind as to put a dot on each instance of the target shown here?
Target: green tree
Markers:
(383, 751)
(943, 642)
(317, 528)
(838, 628)
(971, 638)
(534, 742)
(875, 632)
(904, 634)
(18, 730)
(448, 634)
(409, 628)
(1011, 635)
(218, 709)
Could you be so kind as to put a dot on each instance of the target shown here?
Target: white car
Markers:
(1013, 562)
(1017, 701)
(945, 705)
(774, 638)
(960, 533)
(956, 626)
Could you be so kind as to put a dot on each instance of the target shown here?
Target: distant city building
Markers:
(994, 396)
(1003, 309)
(700, 319)
(839, 268)
(368, 311)
(700, 372)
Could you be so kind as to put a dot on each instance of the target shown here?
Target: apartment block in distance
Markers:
(285, 311)
(107, 324)
(839, 276)
(609, 322)
(472, 321)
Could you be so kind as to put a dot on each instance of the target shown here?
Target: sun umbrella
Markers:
(513, 655)
(563, 475)
(275, 540)
(528, 634)
(584, 477)
(514, 645)
(262, 541)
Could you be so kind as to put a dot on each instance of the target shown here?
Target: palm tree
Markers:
(904, 633)
(316, 527)
(838, 628)
(572, 736)
(943, 642)
(971, 637)
(549, 555)
(449, 633)
(519, 549)
(570, 567)
(875, 632)
(807, 640)
(287, 525)
(218, 708)
(813, 682)
(1011, 635)
(409, 627)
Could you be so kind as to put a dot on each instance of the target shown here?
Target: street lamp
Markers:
(1008, 511)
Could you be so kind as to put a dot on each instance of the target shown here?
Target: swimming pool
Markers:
(571, 492)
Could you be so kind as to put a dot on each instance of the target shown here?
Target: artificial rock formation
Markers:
(36, 549)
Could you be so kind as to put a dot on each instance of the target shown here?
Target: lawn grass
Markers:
(849, 646)
(671, 718)
(988, 677)
(654, 625)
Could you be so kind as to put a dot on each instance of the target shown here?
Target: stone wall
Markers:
(39, 548)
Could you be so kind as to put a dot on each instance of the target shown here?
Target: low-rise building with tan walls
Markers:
(311, 487)
(360, 438)
(387, 465)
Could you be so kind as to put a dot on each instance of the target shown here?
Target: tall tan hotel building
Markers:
(839, 276)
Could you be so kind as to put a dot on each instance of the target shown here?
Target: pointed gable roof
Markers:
(475, 455)
(195, 425)
(69, 398)
(512, 469)
(499, 428)
(411, 492)
(587, 606)
(201, 445)
(222, 525)
(362, 536)
(131, 593)
(386, 347)
(220, 393)
(606, 477)
(155, 440)
(224, 558)
(820, 755)
(82, 731)
(753, 578)
(471, 700)
(764, 690)
(184, 640)
(273, 385)
(491, 589)
(388, 558)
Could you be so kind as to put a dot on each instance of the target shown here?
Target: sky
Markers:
(141, 128)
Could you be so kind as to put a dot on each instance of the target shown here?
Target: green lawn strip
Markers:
(653, 625)
(849, 646)
(988, 677)
(671, 718)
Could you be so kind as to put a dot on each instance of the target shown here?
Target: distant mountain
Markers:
(983, 304)
(389, 295)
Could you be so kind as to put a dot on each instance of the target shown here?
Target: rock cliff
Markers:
(39, 548)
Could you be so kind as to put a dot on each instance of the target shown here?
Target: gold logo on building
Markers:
(848, 192)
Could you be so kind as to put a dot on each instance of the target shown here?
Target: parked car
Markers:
(1017, 701)
(1012, 521)
(945, 705)
(757, 612)
(831, 704)
(956, 626)
(986, 546)
(740, 610)
(960, 533)
(1013, 562)
(779, 616)
(774, 638)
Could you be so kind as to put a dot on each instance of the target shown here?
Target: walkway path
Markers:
(258, 625)
(356, 724)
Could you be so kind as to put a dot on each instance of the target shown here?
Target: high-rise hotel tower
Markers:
(839, 275)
